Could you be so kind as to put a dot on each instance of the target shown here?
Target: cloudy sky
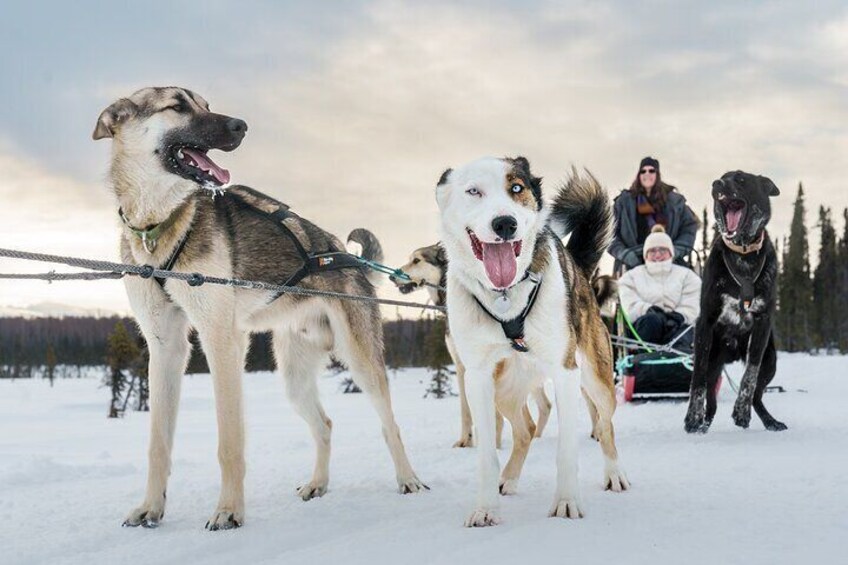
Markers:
(355, 108)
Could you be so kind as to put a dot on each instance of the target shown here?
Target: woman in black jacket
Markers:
(650, 201)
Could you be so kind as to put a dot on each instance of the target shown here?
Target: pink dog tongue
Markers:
(732, 218)
(205, 163)
(500, 263)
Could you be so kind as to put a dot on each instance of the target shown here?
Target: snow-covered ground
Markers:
(68, 475)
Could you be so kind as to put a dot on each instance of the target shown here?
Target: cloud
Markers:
(354, 114)
(44, 212)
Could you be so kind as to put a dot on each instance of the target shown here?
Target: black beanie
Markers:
(649, 161)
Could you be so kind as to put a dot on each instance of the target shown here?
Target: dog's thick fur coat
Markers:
(484, 206)
(159, 167)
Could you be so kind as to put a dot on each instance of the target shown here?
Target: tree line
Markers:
(63, 347)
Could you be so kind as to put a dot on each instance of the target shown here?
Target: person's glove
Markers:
(656, 310)
(677, 317)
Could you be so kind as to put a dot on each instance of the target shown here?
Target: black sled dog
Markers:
(737, 303)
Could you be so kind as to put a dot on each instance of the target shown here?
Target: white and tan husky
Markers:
(522, 308)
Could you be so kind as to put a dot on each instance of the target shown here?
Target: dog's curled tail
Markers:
(582, 208)
(371, 250)
(605, 289)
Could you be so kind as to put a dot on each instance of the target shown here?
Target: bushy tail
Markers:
(605, 289)
(582, 208)
(371, 250)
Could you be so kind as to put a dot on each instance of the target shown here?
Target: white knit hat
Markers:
(657, 238)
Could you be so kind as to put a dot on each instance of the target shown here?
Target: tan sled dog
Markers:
(177, 215)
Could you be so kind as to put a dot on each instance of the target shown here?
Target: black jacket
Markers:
(682, 228)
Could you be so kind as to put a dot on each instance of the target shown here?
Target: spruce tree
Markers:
(705, 244)
(123, 353)
(50, 363)
(841, 291)
(825, 284)
(795, 292)
(438, 359)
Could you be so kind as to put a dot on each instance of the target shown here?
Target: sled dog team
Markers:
(523, 307)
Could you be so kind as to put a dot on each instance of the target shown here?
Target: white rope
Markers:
(110, 269)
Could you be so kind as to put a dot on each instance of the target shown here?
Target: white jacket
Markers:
(677, 289)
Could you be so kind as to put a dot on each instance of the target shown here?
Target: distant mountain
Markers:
(54, 310)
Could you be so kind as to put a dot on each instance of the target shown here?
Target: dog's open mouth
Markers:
(407, 287)
(499, 259)
(734, 214)
(194, 164)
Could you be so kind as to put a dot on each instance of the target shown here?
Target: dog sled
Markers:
(651, 371)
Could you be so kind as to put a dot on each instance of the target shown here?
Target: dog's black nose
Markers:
(236, 125)
(505, 227)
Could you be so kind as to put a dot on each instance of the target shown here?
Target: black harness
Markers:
(312, 262)
(514, 329)
(746, 284)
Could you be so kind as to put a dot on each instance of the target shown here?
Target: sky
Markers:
(355, 108)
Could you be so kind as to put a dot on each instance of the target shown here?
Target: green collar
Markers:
(150, 235)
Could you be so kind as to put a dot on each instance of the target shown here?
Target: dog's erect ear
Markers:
(441, 255)
(522, 164)
(770, 188)
(113, 116)
(444, 178)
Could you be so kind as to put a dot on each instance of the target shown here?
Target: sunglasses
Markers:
(647, 171)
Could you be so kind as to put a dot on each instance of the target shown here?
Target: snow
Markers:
(68, 476)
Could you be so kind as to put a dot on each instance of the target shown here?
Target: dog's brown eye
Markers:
(179, 108)
(416, 261)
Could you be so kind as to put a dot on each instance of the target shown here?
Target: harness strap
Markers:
(312, 263)
(514, 329)
(746, 284)
(172, 260)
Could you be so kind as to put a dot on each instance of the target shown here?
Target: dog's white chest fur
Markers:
(732, 313)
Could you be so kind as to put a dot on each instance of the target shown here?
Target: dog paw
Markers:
(696, 423)
(566, 508)
(411, 485)
(508, 487)
(742, 416)
(464, 441)
(615, 480)
(225, 519)
(775, 426)
(146, 516)
(312, 489)
(482, 518)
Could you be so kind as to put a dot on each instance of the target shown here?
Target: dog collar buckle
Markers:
(148, 243)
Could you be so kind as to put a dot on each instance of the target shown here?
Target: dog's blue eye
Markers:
(473, 191)
(516, 188)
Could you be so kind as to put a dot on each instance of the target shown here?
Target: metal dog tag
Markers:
(501, 305)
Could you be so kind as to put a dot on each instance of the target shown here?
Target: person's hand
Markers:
(677, 317)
